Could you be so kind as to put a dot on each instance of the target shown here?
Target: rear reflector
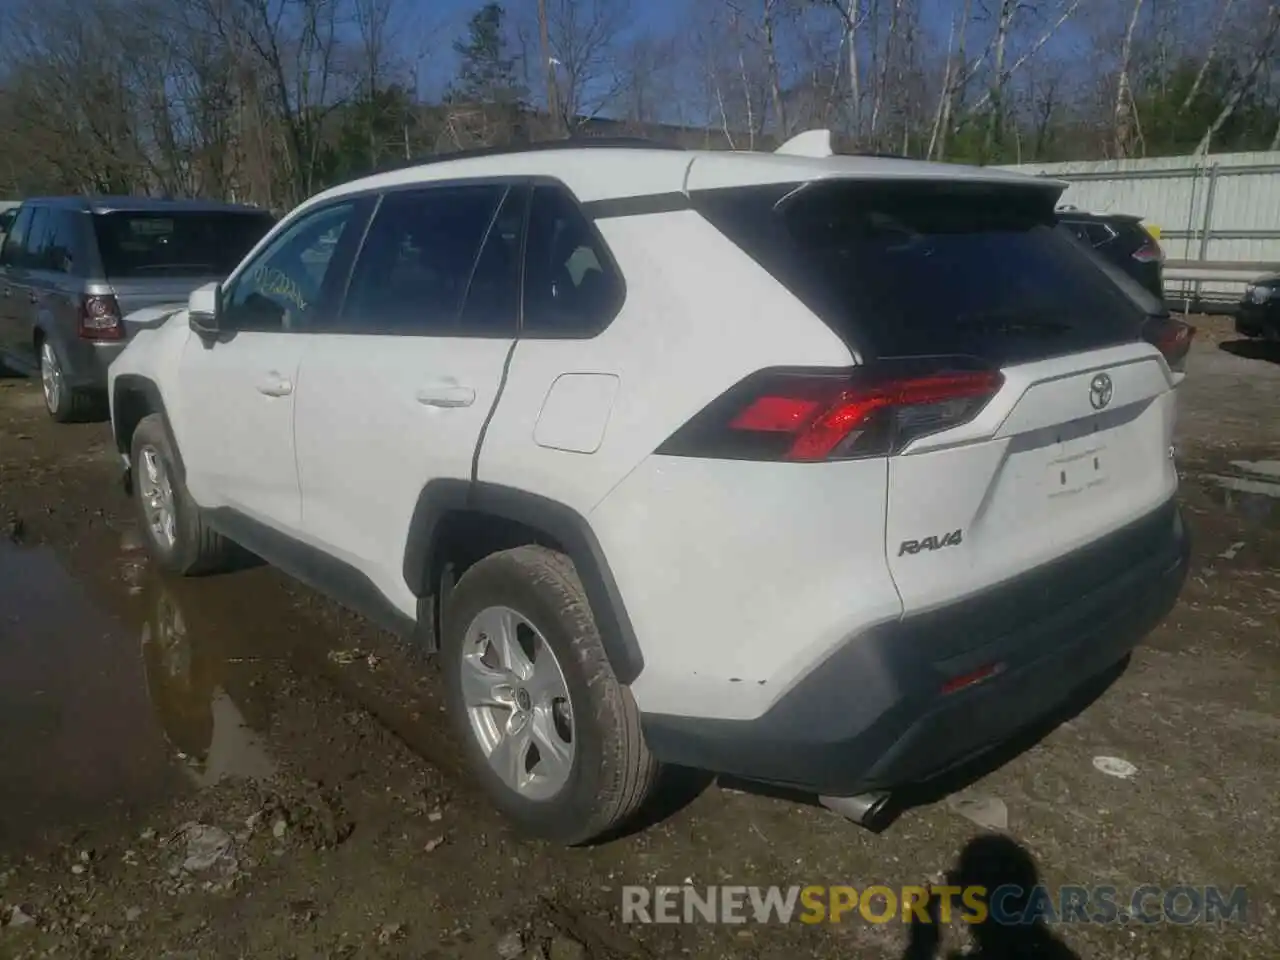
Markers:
(100, 318)
(1172, 338)
(816, 415)
(965, 680)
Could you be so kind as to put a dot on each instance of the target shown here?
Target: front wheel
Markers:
(173, 527)
(551, 735)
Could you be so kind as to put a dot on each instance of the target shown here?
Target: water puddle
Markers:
(201, 722)
(1249, 489)
(110, 702)
(124, 688)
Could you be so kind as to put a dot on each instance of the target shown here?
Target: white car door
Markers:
(398, 387)
(238, 390)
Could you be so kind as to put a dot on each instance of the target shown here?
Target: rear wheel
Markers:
(64, 404)
(176, 534)
(550, 733)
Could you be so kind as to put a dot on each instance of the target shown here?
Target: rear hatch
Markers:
(1023, 410)
(154, 258)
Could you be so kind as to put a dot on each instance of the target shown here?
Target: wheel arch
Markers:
(461, 518)
(134, 397)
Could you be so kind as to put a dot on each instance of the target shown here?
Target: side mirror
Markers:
(203, 309)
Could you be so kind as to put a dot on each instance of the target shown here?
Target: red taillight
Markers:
(964, 681)
(1149, 252)
(100, 318)
(1172, 338)
(807, 416)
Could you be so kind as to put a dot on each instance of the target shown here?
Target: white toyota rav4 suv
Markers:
(822, 471)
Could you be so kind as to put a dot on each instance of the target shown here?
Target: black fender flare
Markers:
(136, 383)
(558, 521)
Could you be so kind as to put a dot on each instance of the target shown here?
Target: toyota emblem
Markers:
(1100, 390)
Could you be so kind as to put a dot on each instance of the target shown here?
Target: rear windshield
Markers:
(176, 244)
(916, 269)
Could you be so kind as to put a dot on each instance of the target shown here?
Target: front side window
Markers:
(15, 240)
(37, 234)
(281, 289)
(415, 267)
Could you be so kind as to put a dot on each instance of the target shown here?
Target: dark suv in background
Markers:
(72, 269)
(1122, 240)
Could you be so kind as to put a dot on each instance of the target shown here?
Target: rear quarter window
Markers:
(909, 269)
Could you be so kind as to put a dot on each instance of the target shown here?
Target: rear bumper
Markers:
(85, 362)
(1258, 320)
(873, 716)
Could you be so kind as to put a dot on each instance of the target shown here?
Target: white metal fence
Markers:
(1218, 216)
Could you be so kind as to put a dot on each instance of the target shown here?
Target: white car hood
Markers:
(149, 317)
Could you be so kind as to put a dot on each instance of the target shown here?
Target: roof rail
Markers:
(563, 143)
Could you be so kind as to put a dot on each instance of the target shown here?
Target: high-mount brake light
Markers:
(809, 416)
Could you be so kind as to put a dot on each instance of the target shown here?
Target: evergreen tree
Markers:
(487, 73)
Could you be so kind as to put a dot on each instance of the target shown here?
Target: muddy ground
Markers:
(235, 767)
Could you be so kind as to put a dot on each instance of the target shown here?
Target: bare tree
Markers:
(1261, 56)
(584, 40)
(769, 24)
(1126, 109)
(1209, 56)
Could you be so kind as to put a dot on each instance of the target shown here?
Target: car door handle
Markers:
(446, 395)
(274, 385)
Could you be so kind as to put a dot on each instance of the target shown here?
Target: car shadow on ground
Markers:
(1011, 928)
(1267, 350)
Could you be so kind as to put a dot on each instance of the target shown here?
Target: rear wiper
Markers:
(1012, 323)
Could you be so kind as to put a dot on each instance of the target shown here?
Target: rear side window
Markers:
(413, 271)
(571, 286)
(493, 297)
(61, 253)
(177, 243)
(918, 269)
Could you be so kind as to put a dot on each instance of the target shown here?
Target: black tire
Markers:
(68, 405)
(613, 771)
(196, 548)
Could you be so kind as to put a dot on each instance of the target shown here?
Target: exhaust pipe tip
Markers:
(865, 809)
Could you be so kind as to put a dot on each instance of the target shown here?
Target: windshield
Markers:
(177, 244)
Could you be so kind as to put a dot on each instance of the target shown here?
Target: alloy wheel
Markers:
(156, 491)
(51, 380)
(518, 703)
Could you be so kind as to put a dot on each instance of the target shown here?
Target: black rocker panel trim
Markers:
(337, 580)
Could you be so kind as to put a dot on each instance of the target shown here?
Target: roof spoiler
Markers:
(811, 143)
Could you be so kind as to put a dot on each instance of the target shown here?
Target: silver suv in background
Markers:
(72, 269)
